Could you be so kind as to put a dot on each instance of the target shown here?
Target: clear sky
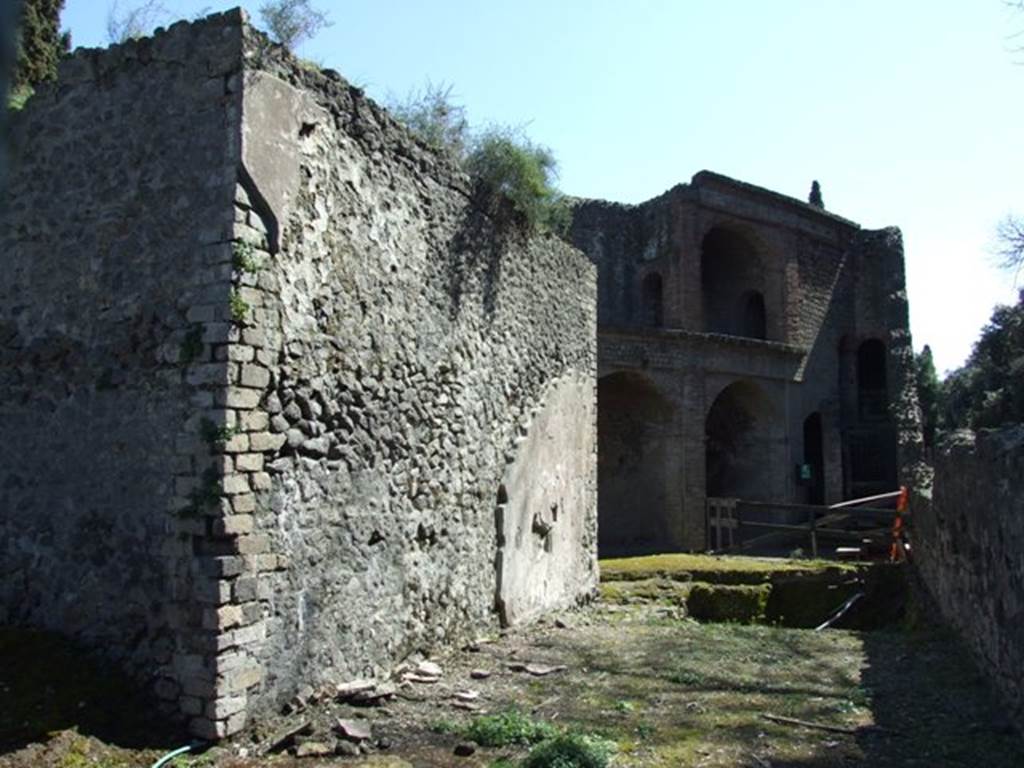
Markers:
(909, 112)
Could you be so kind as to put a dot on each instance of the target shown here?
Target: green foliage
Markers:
(238, 307)
(18, 97)
(507, 729)
(927, 382)
(292, 22)
(988, 391)
(243, 257)
(445, 726)
(40, 43)
(505, 164)
(571, 750)
(729, 602)
(205, 496)
(215, 435)
(815, 197)
(432, 114)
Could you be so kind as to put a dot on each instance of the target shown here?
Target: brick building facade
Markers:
(742, 335)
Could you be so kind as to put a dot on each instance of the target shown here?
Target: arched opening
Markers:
(732, 285)
(651, 301)
(872, 393)
(743, 444)
(814, 459)
(753, 318)
(635, 447)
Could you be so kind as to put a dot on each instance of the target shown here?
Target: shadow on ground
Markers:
(48, 685)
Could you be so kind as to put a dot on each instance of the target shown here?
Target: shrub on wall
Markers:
(432, 114)
(503, 163)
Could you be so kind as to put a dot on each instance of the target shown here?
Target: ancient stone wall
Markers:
(282, 404)
(968, 539)
(115, 232)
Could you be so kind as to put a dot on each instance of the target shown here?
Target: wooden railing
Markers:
(737, 525)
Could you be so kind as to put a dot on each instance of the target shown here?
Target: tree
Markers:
(40, 43)
(292, 22)
(988, 391)
(1010, 247)
(135, 22)
(815, 198)
(927, 393)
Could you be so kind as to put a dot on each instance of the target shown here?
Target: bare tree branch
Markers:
(1010, 245)
(135, 22)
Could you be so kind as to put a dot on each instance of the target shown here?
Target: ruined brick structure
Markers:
(742, 333)
(279, 405)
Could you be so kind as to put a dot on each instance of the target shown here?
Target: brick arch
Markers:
(742, 430)
(732, 268)
(636, 445)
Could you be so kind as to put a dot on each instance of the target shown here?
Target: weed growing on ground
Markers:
(507, 729)
(570, 750)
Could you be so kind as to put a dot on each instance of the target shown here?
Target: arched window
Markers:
(754, 323)
(872, 391)
(652, 302)
(732, 285)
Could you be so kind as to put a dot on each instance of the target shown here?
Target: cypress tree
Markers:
(815, 197)
(40, 42)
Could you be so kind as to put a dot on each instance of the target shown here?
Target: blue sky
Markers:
(909, 113)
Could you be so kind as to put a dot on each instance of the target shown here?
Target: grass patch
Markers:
(712, 568)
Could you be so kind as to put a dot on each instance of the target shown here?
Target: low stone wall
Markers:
(969, 550)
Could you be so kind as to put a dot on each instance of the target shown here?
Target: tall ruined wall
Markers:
(414, 392)
(279, 403)
(969, 549)
(114, 233)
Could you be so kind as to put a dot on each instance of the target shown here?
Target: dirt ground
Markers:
(666, 690)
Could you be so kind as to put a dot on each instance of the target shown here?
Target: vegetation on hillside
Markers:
(988, 391)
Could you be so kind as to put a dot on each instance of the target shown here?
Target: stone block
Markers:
(249, 462)
(242, 399)
(235, 484)
(233, 525)
(253, 421)
(252, 544)
(266, 441)
(222, 708)
(244, 503)
(255, 376)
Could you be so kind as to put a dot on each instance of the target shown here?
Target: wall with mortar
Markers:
(415, 395)
(115, 232)
(968, 538)
(281, 402)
